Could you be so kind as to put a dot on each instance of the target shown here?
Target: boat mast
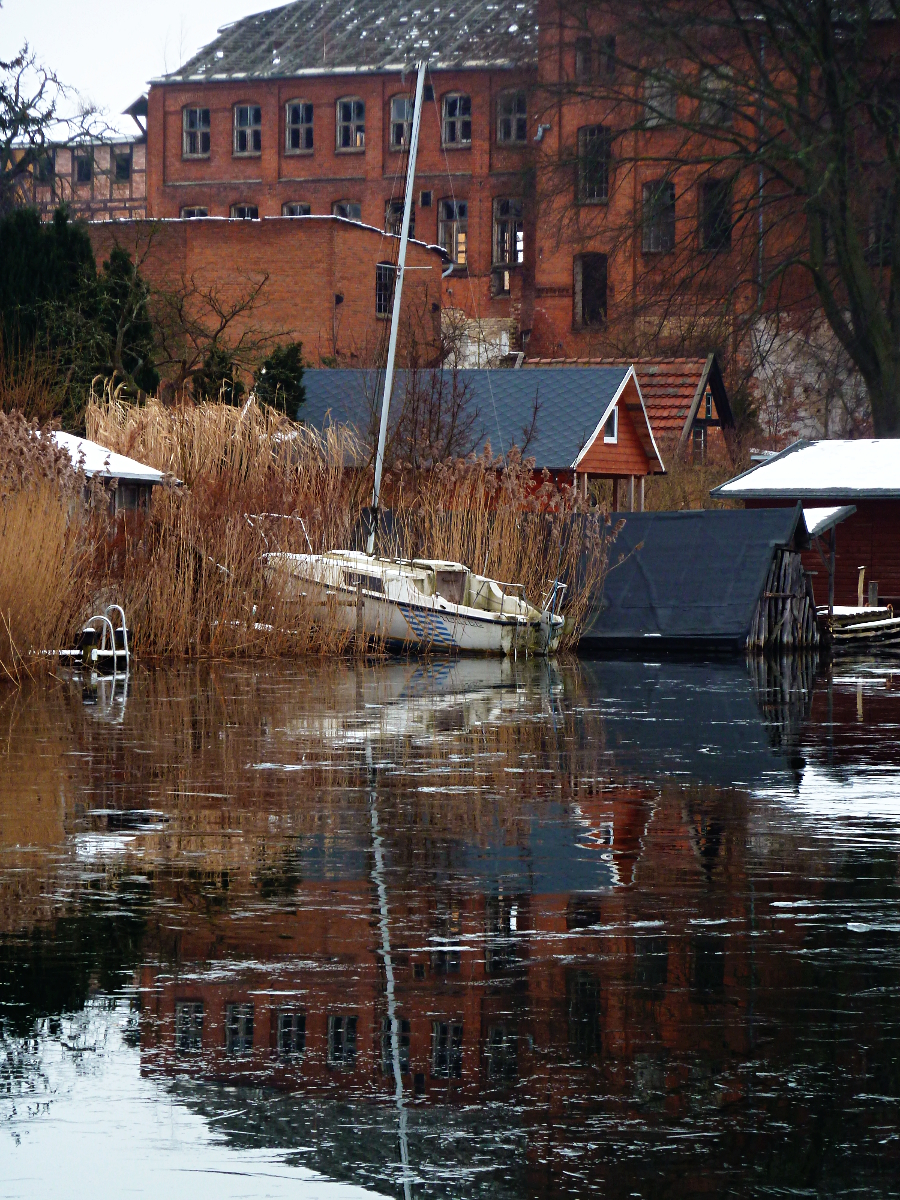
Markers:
(395, 315)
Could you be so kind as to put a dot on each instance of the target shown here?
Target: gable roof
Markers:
(689, 578)
(831, 470)
(329, 37)
(95, 459)
(672, 388)
(563, 410)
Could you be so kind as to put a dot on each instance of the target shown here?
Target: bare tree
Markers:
(744, 155)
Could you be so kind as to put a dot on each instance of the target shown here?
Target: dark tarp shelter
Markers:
(689, 580)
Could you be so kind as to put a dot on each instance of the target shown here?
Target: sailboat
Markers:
(423, 603)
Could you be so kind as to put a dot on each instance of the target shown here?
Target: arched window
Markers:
(246, 212)
(350, 124)
(194, 132)
(295, 209)
(247, 129)
(456, 120)
(298, 127)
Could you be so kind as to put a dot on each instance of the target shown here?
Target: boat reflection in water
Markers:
(496, 928)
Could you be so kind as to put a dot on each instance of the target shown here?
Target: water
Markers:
(465, 930)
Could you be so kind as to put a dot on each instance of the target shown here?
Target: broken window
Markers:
(509, 235)
(122, 166)
(716, 97)
(247, 129)
(350, 209)
(246, 212)
(446, 1050)
(660, 101)
(608, 53)
(293, 209)
(456, 126)
(512, 118)
(453, 226)
(594, 151)
(715, 215)
(84, 166)
(393, 218)
(298, 127)
(45, 166)
(188, 1026)
(342, 1042)
(291, 1034)
(351, 124)
(385, 278)
(584, 58)
(238, 1030)
(401, 122)
(387, 1046)
(589, 290)
(195, 132)
(194, 211)
(658, 217)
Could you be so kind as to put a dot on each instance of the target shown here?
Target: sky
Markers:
(109, 50)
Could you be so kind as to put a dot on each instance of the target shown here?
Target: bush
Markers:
(279, 380)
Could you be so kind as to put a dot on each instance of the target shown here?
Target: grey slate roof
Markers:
(570, 405)
(315, 37)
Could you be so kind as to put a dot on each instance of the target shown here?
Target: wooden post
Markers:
(359, 613)
(641, 494)
(831, 578)
(860, 586)
(631, 493)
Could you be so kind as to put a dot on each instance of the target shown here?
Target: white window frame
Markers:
(304, 127)
(354, 121)
(188, 132)
(455, 122)
(401, 125)
(250, 133)
(512, 125)
(610, 439)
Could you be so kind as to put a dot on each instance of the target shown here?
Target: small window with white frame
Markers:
(350, 124)
(295, 209)
(195, 139)
(512, 119)
(456, 123)
(193, 211)
(247, 130)
(611, 426)
(298, 126)
(401, 122)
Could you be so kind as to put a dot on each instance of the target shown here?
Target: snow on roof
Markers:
(97, 460)
(818, 520)
(834, 470)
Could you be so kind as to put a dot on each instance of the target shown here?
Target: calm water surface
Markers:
(457, 930)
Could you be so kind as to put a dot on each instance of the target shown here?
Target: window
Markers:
(512, 118)
(238, 1030)
(593, 164)
(708, 973)
(247, 129)
(608, 53)
(401, 122)
(246, 212)
(393, 218)
(291, 1034)
(509, 236)
(45, 166)
(387, 1046)
(195, 211)
(298, 127)
(715, 98)
(456, 126)
(501, 1048)
(195, 133)
(453, 226)
(589, 290)
(584, 58)
(611, 427)
(188, 1026)
(351, 124)
(651, 962)
(708, 405)
(715, 215)
(385, 277)
(293, 209)
(347, 208)
(660, 101)
(84, 166)
(658, 217)
(698, 444)
(342, 1042)
(446, 1050)
(503, 948)
(424, 199)
(122, 166)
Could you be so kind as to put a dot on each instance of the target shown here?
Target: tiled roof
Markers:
(669, 387)
(569, 406)
(312, 37)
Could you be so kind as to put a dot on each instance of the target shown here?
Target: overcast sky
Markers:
(108, 49)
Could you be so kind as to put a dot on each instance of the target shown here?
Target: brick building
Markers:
(99, 180)
(325, 281)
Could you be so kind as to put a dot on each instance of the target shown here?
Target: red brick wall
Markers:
(371, 177)
(308, 262)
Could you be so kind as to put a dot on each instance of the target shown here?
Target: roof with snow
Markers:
(827, 470)
(95, 459)
(551, 415)
(327, 37)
